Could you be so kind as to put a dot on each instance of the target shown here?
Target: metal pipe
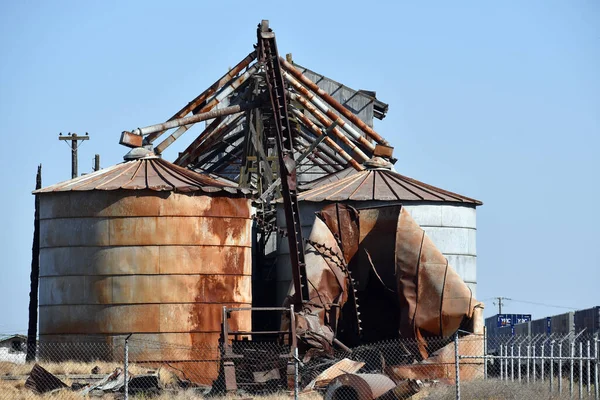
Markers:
(185, 155)
(485, 350)
(512, 363)
(528, 355)
(551, 366)
(543, 361)
(580, 369)
(209, 137)
(456, 364)
(560, 367)
(329, 113)
(519, 361)
(333, 102)
(325, 154)
(194, 118)
(126, 367)
(501, 363)
(597, 390)
(234, 84)
(571, 368)
(327, 122)
(589, 375)
(506, 363)
(206, 94)
(317, 131)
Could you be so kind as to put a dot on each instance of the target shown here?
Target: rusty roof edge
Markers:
(319, 193)
(169, 177)
(447, 192)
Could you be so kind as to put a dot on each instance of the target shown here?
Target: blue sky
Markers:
(500, 102)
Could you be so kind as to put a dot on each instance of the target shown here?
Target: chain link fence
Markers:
(462, 367)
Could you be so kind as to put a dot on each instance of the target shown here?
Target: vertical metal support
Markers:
(551, 366)
(97, 162)
(580, 369)
(512, 362)
(126, 366)
(560, 367)
(571, 362)
(506, 362)
(596, 361)
(543, 360)
(501, 363)
(589, 372)
(296, 373)
(519, 361)
(457, 367)
(527, 361)
(533, 361)
(268, 54)
(485, 347)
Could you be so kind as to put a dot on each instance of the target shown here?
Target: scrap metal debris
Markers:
(374, 275)
(41, 381)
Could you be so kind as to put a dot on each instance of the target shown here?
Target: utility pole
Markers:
(74, 138)
(500, 303)
(34, 275)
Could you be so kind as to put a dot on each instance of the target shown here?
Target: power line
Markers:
(542, 304)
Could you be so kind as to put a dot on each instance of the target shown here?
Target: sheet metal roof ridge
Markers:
(382, 107)
(151, 173)
(394, 183)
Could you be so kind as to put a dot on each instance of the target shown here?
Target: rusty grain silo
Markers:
(149, 248)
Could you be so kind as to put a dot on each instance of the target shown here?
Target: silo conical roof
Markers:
(151, 173)
(377, 183)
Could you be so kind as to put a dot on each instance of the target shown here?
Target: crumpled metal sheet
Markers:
(434, 300)
(405, 287)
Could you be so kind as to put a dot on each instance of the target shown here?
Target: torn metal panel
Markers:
(41, 381)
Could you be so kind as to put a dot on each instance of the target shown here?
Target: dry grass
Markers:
(496, 390)
(68, 368)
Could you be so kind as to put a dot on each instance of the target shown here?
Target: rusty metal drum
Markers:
(146, 248)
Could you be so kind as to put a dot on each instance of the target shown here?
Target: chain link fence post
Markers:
(126, 366)
(596, 368)
(457, 366)
(485, 350)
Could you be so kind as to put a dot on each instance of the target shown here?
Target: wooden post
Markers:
(34, 276)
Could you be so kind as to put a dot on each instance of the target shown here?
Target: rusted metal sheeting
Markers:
(198, 101)
(150, 173)
(359, 386)
(433, 298)
(381, 184)
(441, 364)
(158, 264)
(334, 103)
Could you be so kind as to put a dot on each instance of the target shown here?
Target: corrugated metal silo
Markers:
(144, 247)
(449, 219)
